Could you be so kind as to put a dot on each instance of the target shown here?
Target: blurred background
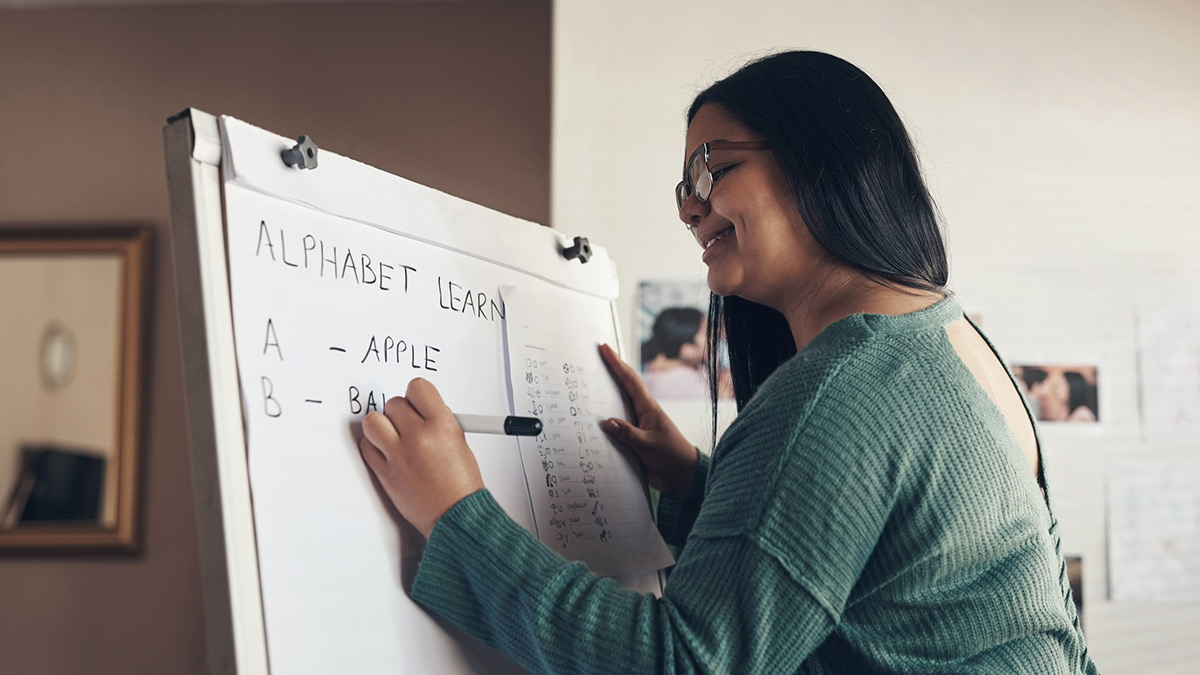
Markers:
(1061, 141)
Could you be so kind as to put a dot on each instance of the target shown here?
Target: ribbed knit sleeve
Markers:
(676, 515)
(730, 607)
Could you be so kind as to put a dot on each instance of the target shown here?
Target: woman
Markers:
(878, 505)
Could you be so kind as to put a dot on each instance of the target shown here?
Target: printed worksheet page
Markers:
(588, 496)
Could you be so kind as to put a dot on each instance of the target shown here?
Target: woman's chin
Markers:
(719, 284)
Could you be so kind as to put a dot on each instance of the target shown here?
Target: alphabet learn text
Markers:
(310, 253)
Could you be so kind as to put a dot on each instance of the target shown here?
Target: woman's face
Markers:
(752, 237)
(692, 353)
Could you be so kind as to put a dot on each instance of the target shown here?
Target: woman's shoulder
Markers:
(850, 358)
(830, 377)
(857, 387)
(850, 409)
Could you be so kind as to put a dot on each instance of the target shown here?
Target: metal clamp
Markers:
(303, 155)
(582, 250)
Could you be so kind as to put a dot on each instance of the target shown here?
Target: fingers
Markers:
(379, 431)
(424, 398)
(401, 412)
(624, 431)
(618, 429)
(625, 376)
(371, 454)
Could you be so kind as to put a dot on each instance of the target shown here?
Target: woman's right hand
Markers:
(669, 458)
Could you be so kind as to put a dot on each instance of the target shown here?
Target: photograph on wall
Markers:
(1075, 578)
(1060, 393)
(672, 335)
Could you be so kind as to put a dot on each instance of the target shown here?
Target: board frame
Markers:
(234, 621)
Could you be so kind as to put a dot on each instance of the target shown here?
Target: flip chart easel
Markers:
(311, 287)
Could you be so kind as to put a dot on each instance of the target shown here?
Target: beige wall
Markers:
(453, 95)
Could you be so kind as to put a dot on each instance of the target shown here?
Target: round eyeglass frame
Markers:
(697, 178)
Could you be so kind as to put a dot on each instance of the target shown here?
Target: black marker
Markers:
(498, 424)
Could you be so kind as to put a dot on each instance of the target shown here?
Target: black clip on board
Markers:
(581, 249)
(303, 155)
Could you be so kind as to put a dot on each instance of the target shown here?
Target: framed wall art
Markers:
(73, 305)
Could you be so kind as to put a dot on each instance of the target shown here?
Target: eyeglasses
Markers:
(697, 179)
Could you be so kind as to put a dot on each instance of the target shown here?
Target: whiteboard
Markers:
(307, 298)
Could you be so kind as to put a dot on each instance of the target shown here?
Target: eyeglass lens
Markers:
(700, 175)
(697, 180)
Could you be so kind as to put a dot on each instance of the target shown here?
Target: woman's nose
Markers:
(693, 211)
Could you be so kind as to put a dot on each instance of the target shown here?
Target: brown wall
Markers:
(453, 95)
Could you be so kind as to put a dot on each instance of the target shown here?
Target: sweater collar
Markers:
(938, 315)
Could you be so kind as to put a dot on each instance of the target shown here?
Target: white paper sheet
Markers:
(1169, 356)
(321, 339)
(1154, 531)
(588, 499)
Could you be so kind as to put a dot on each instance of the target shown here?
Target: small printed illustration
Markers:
(672, 327)
(1060, 393)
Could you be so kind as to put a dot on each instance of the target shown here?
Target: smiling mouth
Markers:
(708, 243)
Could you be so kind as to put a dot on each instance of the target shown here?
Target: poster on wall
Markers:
(1169, 361)
(1154, 531)
(672, 335)
(1060, 392)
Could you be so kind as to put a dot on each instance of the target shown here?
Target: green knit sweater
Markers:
(868, 511)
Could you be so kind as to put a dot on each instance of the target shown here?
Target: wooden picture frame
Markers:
(73, 319)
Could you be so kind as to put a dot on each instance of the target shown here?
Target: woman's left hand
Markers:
(417, 451)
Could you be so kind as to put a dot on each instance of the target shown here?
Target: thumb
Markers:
(623, 431)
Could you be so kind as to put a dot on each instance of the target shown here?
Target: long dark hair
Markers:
(1080, 393)
(673, 328)
(857, 185)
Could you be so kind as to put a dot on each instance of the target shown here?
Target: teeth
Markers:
(719, 237)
